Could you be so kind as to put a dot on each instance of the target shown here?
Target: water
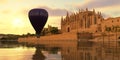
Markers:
(16, 51)
(24, 53)
(71, 50)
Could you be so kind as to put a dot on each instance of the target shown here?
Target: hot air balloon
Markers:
(38, 18)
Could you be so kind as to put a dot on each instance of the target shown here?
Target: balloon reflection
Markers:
(38, 54)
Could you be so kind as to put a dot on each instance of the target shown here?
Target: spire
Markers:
(67, 14)
(86, 9)
(100, 13)
(62, 18)
(67, 17)
(48, 26)
(79, 10)
(93, 10)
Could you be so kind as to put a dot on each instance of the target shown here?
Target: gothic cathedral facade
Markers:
(82, 21)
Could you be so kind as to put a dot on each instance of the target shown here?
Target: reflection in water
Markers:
(47, 53)
(18, 53)
(38, 54)
(69, 50)
(89, 50)
(82, 50)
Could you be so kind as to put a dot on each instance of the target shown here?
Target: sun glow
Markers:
(17, 22)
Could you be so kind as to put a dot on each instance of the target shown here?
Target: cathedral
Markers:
(82, 21)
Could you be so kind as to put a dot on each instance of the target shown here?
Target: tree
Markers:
(54, 30)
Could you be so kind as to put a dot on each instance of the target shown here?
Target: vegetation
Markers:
(54, 30)
(50, 31)
(9, 37)
(27, 35)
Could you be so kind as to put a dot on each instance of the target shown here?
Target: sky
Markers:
(14, 13)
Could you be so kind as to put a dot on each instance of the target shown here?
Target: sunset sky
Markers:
(14, 13)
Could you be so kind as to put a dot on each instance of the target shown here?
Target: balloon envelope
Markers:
(38, 18)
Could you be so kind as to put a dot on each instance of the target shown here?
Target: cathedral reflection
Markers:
(83, 50)
(89, 50)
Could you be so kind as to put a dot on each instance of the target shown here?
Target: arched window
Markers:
(118, 20)
(68, 29)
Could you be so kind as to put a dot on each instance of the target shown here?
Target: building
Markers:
(88, 21)
(112, 23)
(82, 21)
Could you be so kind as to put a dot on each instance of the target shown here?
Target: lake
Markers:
(82, 50)
(16, 51)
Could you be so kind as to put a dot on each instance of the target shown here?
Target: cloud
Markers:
(55, 12)
(105, 15)
(51, 11)
(98, 3)
(109, 8)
